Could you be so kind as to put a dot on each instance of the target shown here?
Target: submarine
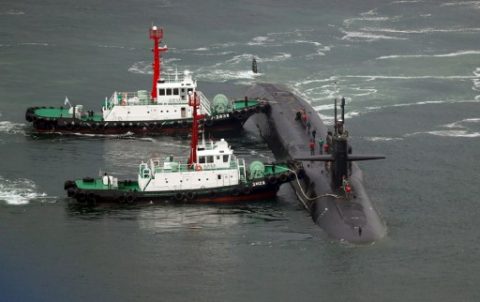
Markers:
(331, 188)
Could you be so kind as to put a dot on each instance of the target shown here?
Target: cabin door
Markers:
(183, 112)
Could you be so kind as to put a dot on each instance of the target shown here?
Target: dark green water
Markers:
(411, 74)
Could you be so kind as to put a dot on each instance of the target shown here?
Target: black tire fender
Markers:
(179, 196)
(272, 180)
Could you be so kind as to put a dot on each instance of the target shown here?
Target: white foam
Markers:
(406, 1)
(445, 55)
(473, 4)
(34, 44)
(260, 40)
(458, 124)
(226, 75)
(13, 12)
(141, 67)
(127, 134)
(384, 77)
(421, 30)
(12, 128)
(115, 46)
(367, 37)
(19, 191)
(382, 139)
(349, 21)
(453, 133)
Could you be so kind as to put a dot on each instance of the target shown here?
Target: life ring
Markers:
(179, 196)
(272, 180)
(198, 168)
(190, 195)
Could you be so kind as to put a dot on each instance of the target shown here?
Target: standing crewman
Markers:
(314, 132)
(320, 145)
(312, 147)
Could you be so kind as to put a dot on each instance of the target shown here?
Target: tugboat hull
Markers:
(65, 124)
(92, 191)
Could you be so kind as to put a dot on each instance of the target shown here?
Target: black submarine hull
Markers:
(351, 218)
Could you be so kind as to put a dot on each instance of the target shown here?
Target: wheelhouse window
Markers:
(225, 158)
(175, 91)
(201, 159)
(162, 91)
(210, 159)
(169, 91)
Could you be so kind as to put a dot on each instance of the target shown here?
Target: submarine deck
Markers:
(354, 220)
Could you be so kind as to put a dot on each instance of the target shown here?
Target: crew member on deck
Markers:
(320, 145)
(312, 147)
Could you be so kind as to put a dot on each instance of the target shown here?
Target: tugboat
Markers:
(212, 174)
(164, 111)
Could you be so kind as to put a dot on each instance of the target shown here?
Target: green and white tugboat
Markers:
(164, 110)
(211, 174)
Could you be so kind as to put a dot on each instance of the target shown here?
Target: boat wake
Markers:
(12, 128)
(20, 191)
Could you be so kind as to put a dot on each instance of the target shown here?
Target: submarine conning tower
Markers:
(340, 151)
(293, 130)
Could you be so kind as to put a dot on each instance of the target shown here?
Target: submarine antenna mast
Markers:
(156, 35)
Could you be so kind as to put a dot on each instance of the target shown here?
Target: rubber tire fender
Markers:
(272, 180)
(179, 196)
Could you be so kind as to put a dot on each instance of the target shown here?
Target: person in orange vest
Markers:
(312, 147)
(346, 187)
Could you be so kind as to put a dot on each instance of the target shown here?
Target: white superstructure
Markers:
(171, 103)
(216, 166)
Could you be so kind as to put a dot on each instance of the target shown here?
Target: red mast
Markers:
(156, 35)
(194, 101)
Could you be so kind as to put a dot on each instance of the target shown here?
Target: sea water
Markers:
(409, 71)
